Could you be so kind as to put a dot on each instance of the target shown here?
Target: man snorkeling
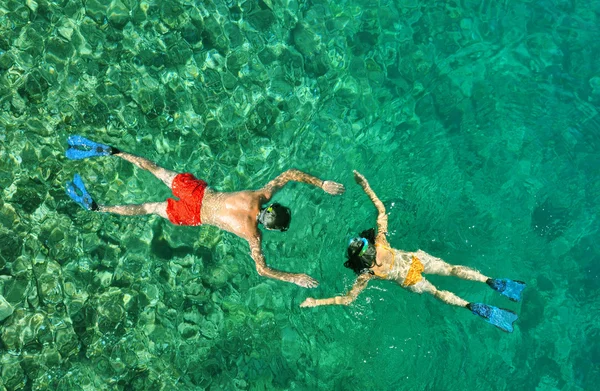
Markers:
(371, 257)
(239, 212)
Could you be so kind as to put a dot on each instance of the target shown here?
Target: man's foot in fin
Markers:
(76, 190)
(509, 288)
(81, 148)
(501, 318)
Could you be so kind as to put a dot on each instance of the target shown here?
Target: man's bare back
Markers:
(233, 212)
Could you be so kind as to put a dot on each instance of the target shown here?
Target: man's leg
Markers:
(445, 296)
(433, 265)
(157, 208)
(163, 174)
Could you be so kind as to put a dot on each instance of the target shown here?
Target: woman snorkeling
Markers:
(371, 257)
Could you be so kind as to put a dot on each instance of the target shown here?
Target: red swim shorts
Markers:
(190, 192)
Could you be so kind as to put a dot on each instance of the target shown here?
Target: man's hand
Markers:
(333, 188)
(360, 179)
(309, 302)
(305, 281)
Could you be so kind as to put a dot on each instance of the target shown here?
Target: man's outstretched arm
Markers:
(347, 299)
(276, 184)
(302, 280)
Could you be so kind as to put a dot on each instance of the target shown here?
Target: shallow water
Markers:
(476, 123)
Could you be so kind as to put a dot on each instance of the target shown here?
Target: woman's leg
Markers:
(157, 208)
(161, 173)
(499, 317)
(445, 296)
(433, 265)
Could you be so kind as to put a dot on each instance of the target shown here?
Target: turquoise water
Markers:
(476, 123)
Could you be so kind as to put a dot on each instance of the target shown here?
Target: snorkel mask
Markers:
(275, 217)
(355, 242)
(263, 213)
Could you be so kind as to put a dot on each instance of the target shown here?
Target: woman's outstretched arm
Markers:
(348, 298)
(382, 218)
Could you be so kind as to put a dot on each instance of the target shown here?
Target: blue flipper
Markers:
(509, 288)
(81, 148)
(76, 190)
(501, 318)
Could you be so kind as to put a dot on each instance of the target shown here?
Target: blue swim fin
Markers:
(81, 148)
(509, 288)
(76, 190)
(501, 318)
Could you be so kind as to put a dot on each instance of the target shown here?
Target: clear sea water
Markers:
(476, 123)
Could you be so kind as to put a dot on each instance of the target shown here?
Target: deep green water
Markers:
(476, 123)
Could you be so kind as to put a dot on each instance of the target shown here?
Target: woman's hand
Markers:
(360, 179)
(333, 188)
(309, 302)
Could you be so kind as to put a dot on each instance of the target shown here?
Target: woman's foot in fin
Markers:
(501, 318)
(76, 190)
(82, 148)
(509, 288)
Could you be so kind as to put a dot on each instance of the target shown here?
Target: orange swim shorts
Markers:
(190, 192)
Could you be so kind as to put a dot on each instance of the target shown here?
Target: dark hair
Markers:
(362, 263)
(275, 217)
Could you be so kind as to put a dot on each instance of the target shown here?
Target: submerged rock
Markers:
(50, 289)
(173, 14)
(10, 244)
(96, 9)
(26, 328)
(8, 217)
(16, 290)
(35, 89)
(6, 309)
(118, 14)
(58, 52)
(305, 40)
(188, 331)
(49, 282)
(66, 340)
(29, 195)
(111, 310)
(13, 376)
